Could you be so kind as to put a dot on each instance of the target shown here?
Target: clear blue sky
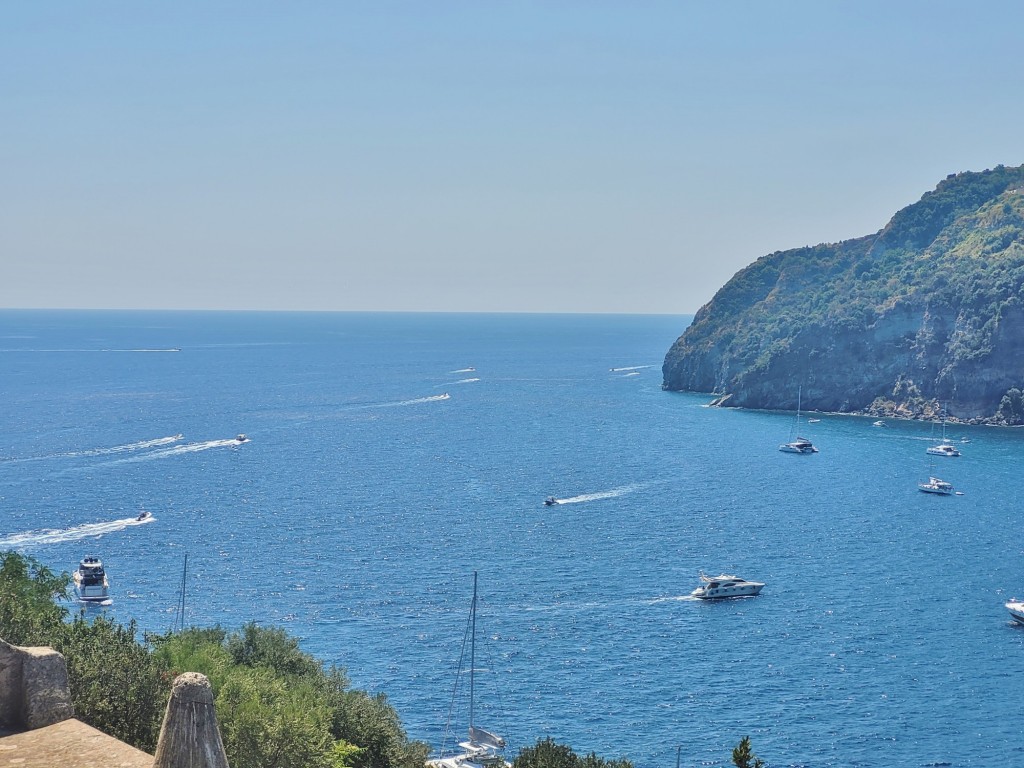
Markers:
(474, 156)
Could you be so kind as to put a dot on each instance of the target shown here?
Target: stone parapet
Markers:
(33, 688)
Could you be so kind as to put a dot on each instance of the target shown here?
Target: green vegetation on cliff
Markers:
(928, 310)
(277, 706)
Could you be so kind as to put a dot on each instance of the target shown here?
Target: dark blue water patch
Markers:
(363, 502)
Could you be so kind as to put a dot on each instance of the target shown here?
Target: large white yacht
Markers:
(91, 583)
(717, 587)
(1016, 609)
(943, 449)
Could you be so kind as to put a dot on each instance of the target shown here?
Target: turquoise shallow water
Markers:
(382, 472)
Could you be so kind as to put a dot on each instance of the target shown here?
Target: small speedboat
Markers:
(91, 583)
(800, 445)
(943, 449)
(550, 501)
(241, 438)
(719, 587)
(1016, 609)
(878, 423)
(143, 515)
(934, 485)
(813, 421)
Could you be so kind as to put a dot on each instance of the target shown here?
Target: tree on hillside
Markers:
(28, 613)
(743, 757)
(546, 753)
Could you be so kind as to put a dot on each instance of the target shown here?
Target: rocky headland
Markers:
(926, 314)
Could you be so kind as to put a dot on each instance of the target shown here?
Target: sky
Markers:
(607, 157)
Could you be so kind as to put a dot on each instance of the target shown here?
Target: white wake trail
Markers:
(179, 450)
(58, 536)
(600, 495)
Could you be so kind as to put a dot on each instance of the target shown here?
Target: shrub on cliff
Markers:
(546, 753)
(116, 685)
(279, 706)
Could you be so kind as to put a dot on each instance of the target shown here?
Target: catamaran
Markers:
(799, 444)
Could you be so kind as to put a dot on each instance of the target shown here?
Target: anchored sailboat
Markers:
(944, 448)
(797, 444)
(482, 748)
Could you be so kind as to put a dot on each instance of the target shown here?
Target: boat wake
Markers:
(141, 445)
(178, 450)
(630, 368)
(582, 498)
(58, 536)
(417, 401)
(463, 370)
(467, 381)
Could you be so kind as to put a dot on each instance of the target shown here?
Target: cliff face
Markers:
(928, 310)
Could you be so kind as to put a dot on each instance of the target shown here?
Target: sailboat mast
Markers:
(184, 572)
(472, 654)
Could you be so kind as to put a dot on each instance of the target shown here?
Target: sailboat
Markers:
(798, 444)
(482, 748)
(944, 448)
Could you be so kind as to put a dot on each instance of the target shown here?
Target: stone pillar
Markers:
(189, 737)
(34, 689)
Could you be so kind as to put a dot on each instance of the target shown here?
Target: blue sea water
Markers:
(391, 455)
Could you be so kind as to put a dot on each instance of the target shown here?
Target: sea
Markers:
(392, 456)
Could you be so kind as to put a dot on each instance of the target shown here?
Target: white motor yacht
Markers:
(943, 449)
(934, 485)
(717, 587)
(91, 583)
(1016, 609)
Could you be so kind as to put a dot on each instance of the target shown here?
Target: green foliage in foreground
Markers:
(743, 756)
(548, 754)
(277, 706)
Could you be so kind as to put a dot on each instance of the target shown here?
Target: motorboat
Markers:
(482, 749)
(935, 485)
(726, 585)
(91, 583)
(143, 515)
(1016, 609)
(878, 423)
(241, 438)
(800, 445)
(550, 501)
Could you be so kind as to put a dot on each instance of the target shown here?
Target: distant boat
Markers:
(935, 485)
(813, 421)
(550, 501)
(726, 585)
(879, 423)
(1016, 609)
(945, 448)
(241, 438)
(91, 583)
(799, 444)
(144, 515)
(482, 748)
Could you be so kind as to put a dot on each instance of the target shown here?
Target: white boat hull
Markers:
(1016, 610)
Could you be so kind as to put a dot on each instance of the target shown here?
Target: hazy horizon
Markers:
(531, 158)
